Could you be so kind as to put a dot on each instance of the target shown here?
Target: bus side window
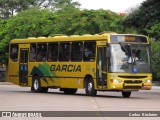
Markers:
(76, 51)
(14, 52)
(52, 52)
(89, 51)
(64, 51)
(32, 53)
(41, 52)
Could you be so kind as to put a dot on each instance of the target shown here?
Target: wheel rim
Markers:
(36, 84)
(90, 86)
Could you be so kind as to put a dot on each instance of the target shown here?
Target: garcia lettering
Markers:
(65, 68)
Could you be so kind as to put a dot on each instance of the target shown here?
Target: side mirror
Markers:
(108, 52)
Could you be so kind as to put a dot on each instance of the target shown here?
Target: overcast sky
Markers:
(113, 5)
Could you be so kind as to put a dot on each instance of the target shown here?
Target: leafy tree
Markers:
(88, 21)
(154, 31)
(9, 8)
(145, 19)
(31, 23)
(155, 59)
(63, 5)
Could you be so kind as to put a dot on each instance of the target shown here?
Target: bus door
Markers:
(23, 67)
(102, 67)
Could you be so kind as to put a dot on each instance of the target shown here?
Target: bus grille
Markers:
(133, 77)
(133, 81)
(132, 87)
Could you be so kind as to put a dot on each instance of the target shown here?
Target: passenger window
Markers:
(14, 52)
(89, 51)
(52, 52)
(64, 52)
(41, 52)
(76, 51)
(32, 53)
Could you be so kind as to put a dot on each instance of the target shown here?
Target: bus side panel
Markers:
(29, 81)
(72, 82)
(75, 78)
(13, 72)
(50, 81)
(62, 74)
(42, 70)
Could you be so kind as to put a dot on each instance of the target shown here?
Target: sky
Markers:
(118, 6)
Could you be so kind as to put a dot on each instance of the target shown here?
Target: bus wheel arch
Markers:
(89, 85)
(36, 85)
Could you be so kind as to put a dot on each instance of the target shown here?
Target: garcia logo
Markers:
(66, 68)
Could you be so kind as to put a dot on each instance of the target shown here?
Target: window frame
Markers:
(14, 53)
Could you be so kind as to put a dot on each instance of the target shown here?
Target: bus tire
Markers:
(126, 94)
(69, 90)
(37, 86)
(90, 91)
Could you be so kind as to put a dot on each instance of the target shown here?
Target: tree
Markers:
(63, 5)
(154, 31)
(155, 59)
(88, 21)
(30, 23)
(9, 8)
(145, 19)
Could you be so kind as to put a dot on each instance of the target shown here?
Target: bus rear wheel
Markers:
(126, 94)
(36, 87)
(90, 91)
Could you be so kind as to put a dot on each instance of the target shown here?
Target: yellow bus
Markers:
(100, 62)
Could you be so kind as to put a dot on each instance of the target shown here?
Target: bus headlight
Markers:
(114, 76)
(147, 81)
(117, 81)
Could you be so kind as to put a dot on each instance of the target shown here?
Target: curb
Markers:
(155, 87)
(6, 83)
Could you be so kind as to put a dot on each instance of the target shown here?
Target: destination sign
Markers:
(128, 38)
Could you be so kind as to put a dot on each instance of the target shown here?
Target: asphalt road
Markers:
(15, 98)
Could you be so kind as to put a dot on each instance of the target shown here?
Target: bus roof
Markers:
(58, 38)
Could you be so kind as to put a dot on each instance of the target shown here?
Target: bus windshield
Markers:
(130, 58)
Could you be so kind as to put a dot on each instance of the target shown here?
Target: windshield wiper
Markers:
(137, 47)
(124, 48)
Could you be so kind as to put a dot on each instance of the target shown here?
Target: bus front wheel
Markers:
(90, 88)
(126, 94)
(36, 87)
